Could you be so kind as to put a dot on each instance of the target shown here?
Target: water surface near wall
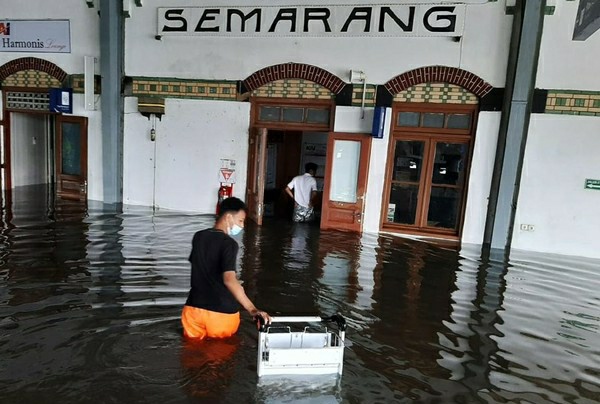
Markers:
(90, 303)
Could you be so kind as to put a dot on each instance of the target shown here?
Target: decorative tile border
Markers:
(548, 10)
(293, 88)
(440, 93)
(182, 88)
(76, 82)
(573, 102)
(31, 78)
(370, 96)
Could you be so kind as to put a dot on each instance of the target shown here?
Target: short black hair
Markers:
(231, 205)
(311, 167)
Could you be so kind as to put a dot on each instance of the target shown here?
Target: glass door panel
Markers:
(447, 182)
(406, 181)
(344, 171)
(71, 148)
(449, 164)
(444, 206)
(408, 161)
(403, 204)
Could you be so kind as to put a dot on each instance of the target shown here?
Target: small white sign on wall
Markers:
(227, 171)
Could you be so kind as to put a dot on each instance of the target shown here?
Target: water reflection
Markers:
(90, 303)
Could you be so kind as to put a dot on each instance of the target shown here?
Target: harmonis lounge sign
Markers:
(43, 36)
(314, 21)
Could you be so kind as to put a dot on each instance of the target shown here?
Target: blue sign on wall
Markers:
(378, 122)
(61, 100)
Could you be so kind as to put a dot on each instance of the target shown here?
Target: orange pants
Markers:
(200, 323)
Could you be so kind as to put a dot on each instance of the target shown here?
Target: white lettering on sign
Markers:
(41, 36)
(321, 21)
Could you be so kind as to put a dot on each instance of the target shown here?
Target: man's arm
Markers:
(289, 192)
(233, 285)
(313, 196)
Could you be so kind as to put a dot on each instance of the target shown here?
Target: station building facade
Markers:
(247, 95)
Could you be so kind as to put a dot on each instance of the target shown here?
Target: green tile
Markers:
(579, 102)
(152, 87)
(176, 89)
(561, 102)
(165, 88)
(190, 89)
(213, 90)
(226, 90)
(596, 103)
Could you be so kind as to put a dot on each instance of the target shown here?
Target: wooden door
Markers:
(257, 168)
(71, 157)
(5, 179)
(345, 181)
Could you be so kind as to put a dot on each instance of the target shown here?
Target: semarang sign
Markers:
(313, 21)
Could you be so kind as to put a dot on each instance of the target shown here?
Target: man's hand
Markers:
(263, 314)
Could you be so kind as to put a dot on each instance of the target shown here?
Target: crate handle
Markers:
(336, 318)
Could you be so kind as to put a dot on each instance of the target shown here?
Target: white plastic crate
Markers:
(282, 351)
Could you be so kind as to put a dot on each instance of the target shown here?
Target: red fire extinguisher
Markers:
(225, 191)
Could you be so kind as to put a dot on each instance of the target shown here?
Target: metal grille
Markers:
(27, 101)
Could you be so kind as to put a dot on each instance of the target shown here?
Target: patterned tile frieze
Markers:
(183, 88)
(440, 93)
(77, 83)
(572, 102)
(293, 88)
(370, 95)
(31, 78)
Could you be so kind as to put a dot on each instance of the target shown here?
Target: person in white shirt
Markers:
(305, 189)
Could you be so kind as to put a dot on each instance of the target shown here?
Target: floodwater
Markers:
(90, 303)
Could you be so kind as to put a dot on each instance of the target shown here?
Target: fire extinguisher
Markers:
(225, 191)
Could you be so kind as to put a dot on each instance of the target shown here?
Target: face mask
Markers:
(235, 230)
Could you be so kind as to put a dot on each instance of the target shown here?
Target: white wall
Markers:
(29, 149)
(480, 177)
(381, 58)
(564, 63)
(84, 22)
(191, 140)
(561, 152)
(85, 41)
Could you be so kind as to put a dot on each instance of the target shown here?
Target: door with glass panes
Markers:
(427, 169)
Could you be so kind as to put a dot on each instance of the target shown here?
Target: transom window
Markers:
(273, 113)
(293, 114)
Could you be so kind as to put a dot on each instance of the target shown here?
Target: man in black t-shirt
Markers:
(212, 306)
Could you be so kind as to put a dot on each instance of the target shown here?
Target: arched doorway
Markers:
(431, 143)
(39, 146)
(292, 123)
